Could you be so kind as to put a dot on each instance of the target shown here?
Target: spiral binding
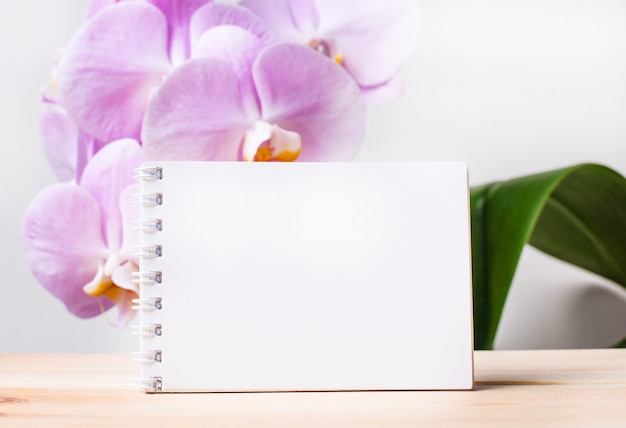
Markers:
(153, 225)
(150, 304)
(148, 357)
(149, 251)
(148, 278)
(148, 330)
(148, 199)
(148, 173)
(151, 384)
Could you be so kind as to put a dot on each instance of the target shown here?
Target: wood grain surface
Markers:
(578, 388)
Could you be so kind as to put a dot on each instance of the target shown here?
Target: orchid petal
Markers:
(304, 15)
(239, 48)
(130, 212)
(110, 68)
(64, 246)
(179, 14)
(304, 92)
(60, 142)
(67, 147)
(106, 176)
(385, 92)
(88, 146)
(95, 6)
(374, 38)
(197, 114)
(234, 45)
(277, 15)
(214, 15)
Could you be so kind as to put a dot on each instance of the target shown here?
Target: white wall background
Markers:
(511, 86)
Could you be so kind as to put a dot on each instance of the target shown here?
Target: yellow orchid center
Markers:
(106, 287)
(325, 48)
(113, 280)
(100, 288)
(100, 284)
(103, 283)
(266, 142)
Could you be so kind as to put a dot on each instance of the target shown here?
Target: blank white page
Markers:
(310, 276)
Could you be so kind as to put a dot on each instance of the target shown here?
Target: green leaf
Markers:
(577, 214)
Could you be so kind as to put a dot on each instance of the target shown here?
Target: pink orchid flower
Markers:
(124, 52)
(78, 238)
(120, 55)
(371, 39)
(241, 100)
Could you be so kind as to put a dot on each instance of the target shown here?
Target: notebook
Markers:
(304, 277)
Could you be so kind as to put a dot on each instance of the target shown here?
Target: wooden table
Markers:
(513, 388)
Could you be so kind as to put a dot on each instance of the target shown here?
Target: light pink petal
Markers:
(179, 14)
(374, 37)
(197, 114)
(304, 92)
(304, 15)
(110, 68)
(214, 15)
(239, 48)
(68, 148)
(88, 146)
(383, 93)
(95, 6)
(64, 246)
(59, 135)
(131, 212)
(277, 15)
(106, 176)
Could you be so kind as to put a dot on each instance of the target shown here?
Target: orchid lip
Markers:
(100, 284)
(266, 142)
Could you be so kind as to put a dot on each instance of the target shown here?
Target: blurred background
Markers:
(512, 87)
